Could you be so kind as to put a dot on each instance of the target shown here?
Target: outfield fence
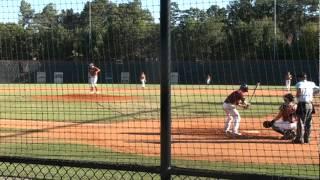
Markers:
(222, 72)
(54, 124)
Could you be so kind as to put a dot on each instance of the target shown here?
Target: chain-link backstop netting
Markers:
(80, 89)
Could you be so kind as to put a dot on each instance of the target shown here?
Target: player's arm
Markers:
(281, 112)
(244, 103)
(278, 116)
(97, 70)
(298, 93)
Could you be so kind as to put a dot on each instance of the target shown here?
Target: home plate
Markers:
(251, 131)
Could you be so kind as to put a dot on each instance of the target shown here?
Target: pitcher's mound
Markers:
(85, 98)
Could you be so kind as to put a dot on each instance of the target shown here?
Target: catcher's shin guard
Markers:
(289, 135)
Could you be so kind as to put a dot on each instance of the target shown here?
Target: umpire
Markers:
(305, 108)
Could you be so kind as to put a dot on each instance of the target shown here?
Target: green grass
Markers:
(72, 152)
(90, 153)
(310, 171)
(95, 154)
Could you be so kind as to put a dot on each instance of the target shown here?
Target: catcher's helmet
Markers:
(244, 87)
(288, 97)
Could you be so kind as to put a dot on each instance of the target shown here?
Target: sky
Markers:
(9, 9)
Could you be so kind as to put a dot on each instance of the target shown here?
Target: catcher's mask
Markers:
(244, 87)
(288, 97)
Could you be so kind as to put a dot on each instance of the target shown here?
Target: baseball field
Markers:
(121, 124)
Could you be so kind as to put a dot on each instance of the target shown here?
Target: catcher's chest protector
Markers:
(288, 110)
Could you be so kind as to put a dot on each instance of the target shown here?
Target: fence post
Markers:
(165, 90)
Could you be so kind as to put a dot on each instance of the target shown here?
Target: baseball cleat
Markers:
(237, 133)
(228, 132)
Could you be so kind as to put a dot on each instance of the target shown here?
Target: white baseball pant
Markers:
(232, 115)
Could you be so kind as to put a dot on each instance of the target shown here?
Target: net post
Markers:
(165, 90)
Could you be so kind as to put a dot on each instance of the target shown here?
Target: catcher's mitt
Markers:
(267, 124)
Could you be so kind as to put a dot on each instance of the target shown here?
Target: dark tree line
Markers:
(106, 31)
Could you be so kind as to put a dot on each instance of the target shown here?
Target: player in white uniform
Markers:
(93, 77)
(209, 79)
(143, 79)
(288, 79)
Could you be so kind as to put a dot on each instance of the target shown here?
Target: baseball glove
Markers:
(267, 124)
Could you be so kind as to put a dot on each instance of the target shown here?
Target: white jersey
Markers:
(306, 88)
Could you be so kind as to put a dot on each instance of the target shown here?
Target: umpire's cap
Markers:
(244, 87)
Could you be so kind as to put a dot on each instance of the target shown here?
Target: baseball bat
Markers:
(254, 92)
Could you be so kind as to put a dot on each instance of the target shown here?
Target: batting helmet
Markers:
(244, 87)
(267, 124)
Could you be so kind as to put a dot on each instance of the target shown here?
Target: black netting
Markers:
(80, 93)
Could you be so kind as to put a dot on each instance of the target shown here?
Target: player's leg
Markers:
(228, 121)
(302, 112)
(91, 82)
(307, 124)
(236, 121)
(143, 83)
(286, 128)
(95, 80)
(280, 126)
(288, 85)
(233, 112)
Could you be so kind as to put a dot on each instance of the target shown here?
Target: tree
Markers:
(48, 18)
(174, 12)
(68, 19)
(26, 14)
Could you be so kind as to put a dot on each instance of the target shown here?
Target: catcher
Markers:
(285, 122)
